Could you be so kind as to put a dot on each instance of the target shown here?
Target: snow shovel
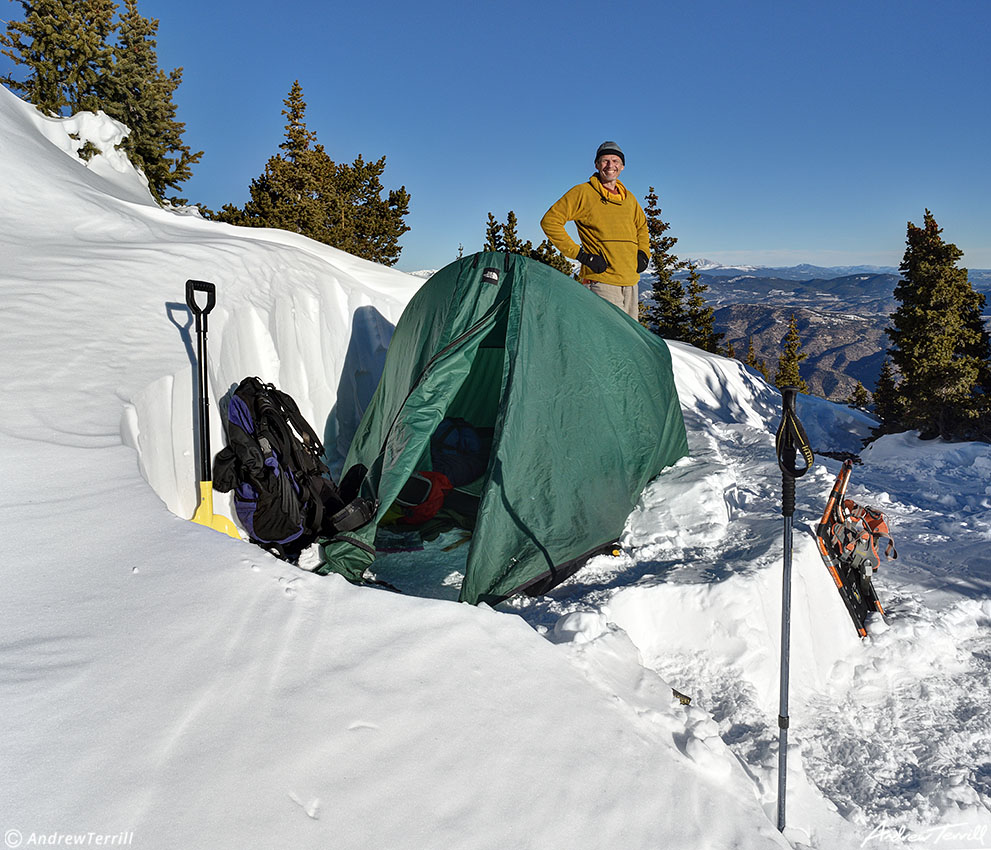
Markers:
(789, 440)
(204, 512)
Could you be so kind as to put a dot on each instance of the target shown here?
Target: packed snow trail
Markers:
(892, 732)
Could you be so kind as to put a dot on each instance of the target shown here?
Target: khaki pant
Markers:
(625, 297)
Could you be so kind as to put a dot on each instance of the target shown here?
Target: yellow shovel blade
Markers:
(205, 516)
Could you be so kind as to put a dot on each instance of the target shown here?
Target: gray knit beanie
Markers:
(610, 147)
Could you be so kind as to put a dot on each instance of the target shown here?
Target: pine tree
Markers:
(368, 225)
(63, 44)
(667, 316)
(304, 191)
(939, 344)
(504, 237)
(859, 398)
(511, 241)
(288, 194)
(753, 361)
(787, 374)
(547, 254)
(700, 315)
(676, 313)
(493, 235)
(38, 42)
(887, 403)
(139, 94)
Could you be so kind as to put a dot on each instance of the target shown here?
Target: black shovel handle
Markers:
(194, 286)
(203, 402)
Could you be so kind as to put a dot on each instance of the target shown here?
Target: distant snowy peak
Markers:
(704, 265)
(802, 271)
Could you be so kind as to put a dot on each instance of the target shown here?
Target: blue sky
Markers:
(774, 132)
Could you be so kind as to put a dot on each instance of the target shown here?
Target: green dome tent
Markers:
(574, 400)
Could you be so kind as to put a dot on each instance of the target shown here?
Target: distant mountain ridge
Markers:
(808, 271)
(842, 312)
(803, 271)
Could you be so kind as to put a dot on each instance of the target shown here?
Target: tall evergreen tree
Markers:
(493, 235)
(788, 374)
(304, 191)
(700, 315)
(369, 225)
(667, 316)
(939, 344)
(288, 193)
(139, 94)
(511, 241)
(64, 45)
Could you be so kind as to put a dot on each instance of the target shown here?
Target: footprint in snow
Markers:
(288, 582)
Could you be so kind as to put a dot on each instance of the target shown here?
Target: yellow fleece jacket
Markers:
(613, 226)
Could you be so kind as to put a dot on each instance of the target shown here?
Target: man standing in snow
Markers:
(611, 226)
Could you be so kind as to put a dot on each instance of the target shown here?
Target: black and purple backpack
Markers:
(284, 496)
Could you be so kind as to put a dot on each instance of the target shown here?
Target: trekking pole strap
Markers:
(791, 438)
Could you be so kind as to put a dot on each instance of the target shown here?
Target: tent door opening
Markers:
(424, 524)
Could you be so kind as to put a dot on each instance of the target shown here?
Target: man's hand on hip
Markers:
(593, 262)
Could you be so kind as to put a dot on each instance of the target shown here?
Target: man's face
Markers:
(608, 167)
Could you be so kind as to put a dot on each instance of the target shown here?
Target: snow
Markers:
(168, 686)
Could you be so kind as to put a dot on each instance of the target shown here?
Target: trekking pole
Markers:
(204, 514)
(789, 439)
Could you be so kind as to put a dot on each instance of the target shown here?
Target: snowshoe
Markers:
(848, 537)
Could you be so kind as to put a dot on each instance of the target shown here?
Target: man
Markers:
(611, 226)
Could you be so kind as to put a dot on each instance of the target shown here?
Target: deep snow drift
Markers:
(164, 682)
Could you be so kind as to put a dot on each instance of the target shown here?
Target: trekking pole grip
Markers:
(194, 286)
(789, 441)
(787, 495)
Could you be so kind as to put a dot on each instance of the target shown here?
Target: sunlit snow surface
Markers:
(163, 680)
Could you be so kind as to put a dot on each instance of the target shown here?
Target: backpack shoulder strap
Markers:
(287, 404)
